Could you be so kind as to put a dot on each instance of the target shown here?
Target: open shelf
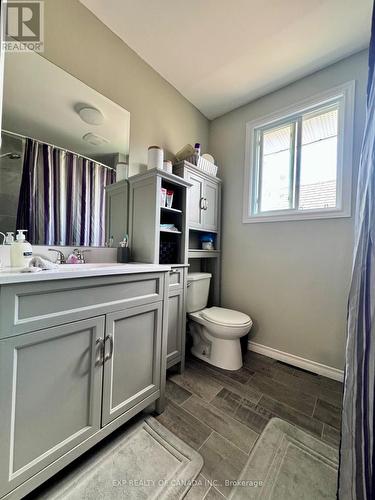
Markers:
(174, 210)
(150, 216)
(178, 196)
(202, 254)
(195, 250)
(170, 231)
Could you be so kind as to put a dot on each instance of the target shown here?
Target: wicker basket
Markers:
(205, 165)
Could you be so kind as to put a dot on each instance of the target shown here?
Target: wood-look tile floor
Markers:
(221, 413)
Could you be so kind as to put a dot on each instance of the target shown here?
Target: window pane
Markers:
(318, 160)
(275, 176)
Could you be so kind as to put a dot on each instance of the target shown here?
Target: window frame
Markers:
(344, 94)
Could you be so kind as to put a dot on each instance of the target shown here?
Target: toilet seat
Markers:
(225, 317)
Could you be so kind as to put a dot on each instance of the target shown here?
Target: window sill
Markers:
(296, 216)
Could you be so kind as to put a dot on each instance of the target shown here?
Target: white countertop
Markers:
(10, 275)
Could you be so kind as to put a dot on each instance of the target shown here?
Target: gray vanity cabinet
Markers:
(65, 386)
(131, 358)
(176, 332)
(175, 326)
(152, 241)
(50, 396)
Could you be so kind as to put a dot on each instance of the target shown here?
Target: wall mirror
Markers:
(62, 143)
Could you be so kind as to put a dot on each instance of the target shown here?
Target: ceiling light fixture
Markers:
(92, 116)
(94, 139)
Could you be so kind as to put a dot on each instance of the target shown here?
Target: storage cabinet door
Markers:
(50, 396)
(132, 358)
(175, 319)
(210, 213)
(195, 200)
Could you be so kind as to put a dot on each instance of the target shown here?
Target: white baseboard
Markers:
(292, 359)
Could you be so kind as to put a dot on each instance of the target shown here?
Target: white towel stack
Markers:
(37, 264)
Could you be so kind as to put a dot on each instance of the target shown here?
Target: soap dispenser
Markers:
(9, 238)
(21, 251)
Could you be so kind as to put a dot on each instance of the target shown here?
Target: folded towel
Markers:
(42, 263)
(31, 270)
(37, 264)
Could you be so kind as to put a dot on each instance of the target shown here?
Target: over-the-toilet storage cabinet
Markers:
(78, 358)
(204, 216)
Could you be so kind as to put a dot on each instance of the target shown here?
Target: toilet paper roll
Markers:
(155, 157)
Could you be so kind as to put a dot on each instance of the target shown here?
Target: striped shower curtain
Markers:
(357, 453)
(62, 197)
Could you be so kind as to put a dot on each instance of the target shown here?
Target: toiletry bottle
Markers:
(9, 239)
(21, 251)
(197, 149)
(169, 198)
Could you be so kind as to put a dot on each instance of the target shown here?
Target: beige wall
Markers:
(291, 277)
(79, 43)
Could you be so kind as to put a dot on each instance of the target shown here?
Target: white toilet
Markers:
(216, 331)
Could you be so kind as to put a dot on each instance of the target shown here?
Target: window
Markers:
(298, 162)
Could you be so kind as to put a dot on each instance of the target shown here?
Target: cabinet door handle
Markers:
(111, 346)
(100, 342)
(174, 271)
(205, 204)
(202, 203)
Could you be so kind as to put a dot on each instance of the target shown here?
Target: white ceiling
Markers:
(221, 54)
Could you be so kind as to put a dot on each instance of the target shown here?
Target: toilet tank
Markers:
(197, 291)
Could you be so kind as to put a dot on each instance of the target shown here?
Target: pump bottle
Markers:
(21, 251)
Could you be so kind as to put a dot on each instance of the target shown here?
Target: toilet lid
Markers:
(226, 317)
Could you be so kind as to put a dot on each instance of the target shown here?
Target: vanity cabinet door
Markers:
(195, 200)
(175, 325)
(132, 358)
(211, 205)
(50, 396)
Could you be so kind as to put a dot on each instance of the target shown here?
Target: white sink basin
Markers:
(91, 265)
(8, 270)
(69, 271)
(70, 267)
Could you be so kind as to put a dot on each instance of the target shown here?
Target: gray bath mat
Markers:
(288, 464)
(148, 463)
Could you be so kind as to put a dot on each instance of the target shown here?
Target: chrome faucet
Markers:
(80, 254)
(60, 259)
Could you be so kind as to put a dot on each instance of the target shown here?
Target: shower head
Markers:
(11, 156)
